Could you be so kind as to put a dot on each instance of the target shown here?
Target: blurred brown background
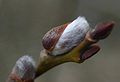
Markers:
(24, 22)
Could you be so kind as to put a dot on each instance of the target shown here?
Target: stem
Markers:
(47, 61)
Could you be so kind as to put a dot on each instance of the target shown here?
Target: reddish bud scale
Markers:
(15, 78)
(51, 37)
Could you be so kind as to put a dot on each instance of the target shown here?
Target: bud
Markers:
(62, 39)
(89, 52)
(23, 71)
(102, 30)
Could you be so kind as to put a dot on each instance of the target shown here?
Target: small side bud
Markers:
(23, 71)
(102, 30)
(89, 52)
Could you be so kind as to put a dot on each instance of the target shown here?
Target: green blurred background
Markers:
(24, 22)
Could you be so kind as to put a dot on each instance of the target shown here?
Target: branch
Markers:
(25, 71)
(86, 49)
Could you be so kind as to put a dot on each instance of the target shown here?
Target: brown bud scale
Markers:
(51, 37)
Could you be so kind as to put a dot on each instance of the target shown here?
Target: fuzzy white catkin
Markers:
(72, 36)
(25, 67)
